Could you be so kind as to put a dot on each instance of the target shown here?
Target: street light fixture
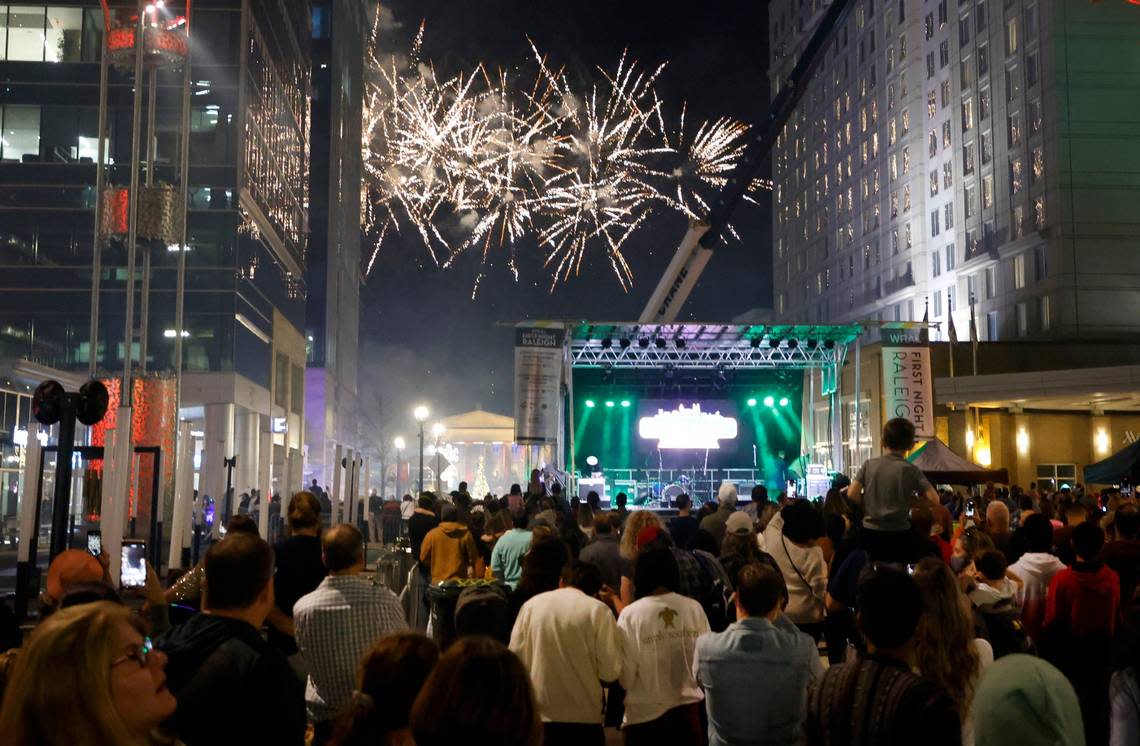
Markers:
(399, 447)
(438, 430)
(421, 414)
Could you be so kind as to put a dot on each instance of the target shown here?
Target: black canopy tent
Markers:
(1122, 466)
(943, 466)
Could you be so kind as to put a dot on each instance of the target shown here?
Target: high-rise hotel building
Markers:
(950, 151)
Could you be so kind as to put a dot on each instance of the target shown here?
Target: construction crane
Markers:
(696, 247)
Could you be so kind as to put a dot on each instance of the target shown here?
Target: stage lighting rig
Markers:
(643, 343)
(660, 342)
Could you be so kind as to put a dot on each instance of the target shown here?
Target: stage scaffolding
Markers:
(706, 346)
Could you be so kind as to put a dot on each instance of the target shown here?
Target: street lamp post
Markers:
(421, 414)
(437, 430)
(399, 448)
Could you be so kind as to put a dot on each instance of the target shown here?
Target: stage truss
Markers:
(708, 346)
(719, 347)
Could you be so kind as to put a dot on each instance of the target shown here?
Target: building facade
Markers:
(951, 151)
(332, 315)
(244, 348)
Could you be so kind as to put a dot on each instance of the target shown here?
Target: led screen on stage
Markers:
(677, 426)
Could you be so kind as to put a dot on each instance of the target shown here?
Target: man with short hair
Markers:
(726, 506)
(604, 552)
(997, 526)
(336, 625)
(219, 656)
(683, 527)
(449, 550)
(570, 644)
(877, 699)
(506, 557)
(757, 672)
(888, 487)
(620, 510)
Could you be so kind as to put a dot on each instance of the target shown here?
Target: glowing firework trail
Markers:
(475, 163)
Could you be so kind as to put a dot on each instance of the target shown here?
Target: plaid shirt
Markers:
(336, 625)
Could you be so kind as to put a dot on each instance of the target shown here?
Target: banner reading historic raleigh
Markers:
(908, 388)
(538, 383)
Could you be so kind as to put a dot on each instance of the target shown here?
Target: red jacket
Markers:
(1086, 596)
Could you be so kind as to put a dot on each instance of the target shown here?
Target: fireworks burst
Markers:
(478, 162)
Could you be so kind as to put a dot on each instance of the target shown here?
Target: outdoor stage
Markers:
(666, 409)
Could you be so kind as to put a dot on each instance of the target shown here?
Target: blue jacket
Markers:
(755, 675)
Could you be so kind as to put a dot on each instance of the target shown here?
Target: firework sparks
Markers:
(478, 162)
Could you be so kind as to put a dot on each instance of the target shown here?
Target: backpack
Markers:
(716, 592)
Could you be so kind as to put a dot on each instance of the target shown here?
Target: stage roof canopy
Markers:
(710, 346)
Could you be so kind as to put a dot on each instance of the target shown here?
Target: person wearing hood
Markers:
(449, 550)
(219, 656)
(1036, 569)
(1024, 701)
(1081, 612)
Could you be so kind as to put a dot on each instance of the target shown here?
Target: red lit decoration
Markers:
(152, 424)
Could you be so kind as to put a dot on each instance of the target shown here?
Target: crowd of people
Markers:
(886, 613)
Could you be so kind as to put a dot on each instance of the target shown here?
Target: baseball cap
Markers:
(72, 567)
(738, 523)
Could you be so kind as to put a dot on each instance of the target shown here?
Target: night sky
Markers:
(421, 334)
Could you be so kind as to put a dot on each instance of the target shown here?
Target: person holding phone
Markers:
(888, 486)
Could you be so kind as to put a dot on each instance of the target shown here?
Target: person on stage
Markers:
(888, 486)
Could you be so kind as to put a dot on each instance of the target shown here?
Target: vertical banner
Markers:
(908, 388)
(538, 383)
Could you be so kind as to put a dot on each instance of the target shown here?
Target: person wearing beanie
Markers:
(1023, 701)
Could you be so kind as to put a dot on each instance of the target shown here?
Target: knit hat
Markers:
(738, 523)
(72, 567)
(1023, 701)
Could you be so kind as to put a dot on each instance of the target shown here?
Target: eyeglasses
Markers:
(141, 654)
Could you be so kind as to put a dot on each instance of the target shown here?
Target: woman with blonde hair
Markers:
(635, 523)
(945, 649)
(87, 677)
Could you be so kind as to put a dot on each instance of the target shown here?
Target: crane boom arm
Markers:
(696, 247)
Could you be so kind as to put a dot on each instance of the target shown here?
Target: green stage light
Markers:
(752, 402)
(784, 401)
(769, 401)
(625, 403)
(590, 403)
(610, 404)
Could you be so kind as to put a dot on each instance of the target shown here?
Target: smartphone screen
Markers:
(132, 573)
(94, 543)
